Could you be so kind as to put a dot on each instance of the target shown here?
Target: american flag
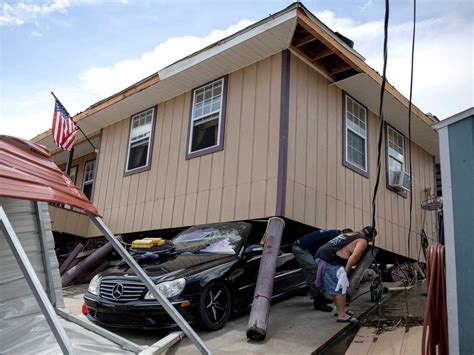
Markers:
(64, 129)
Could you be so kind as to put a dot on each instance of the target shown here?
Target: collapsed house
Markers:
(275, 120)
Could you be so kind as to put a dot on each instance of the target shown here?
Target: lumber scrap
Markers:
(88, 264)
(72, 255)
(258, 320)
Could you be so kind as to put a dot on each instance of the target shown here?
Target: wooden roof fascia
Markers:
(357, 63)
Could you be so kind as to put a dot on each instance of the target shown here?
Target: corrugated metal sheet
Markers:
(17, 302)
(28, 172)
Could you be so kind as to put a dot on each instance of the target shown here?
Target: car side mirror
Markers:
(252, 250)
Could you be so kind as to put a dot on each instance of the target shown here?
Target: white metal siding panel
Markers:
(17, 303)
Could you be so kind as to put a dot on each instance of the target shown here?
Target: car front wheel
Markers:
(214, 306)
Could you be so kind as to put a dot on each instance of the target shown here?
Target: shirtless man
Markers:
(343, 251)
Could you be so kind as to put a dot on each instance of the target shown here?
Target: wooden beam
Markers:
(308, 39)
(340, 69)
(357, 63)
(323, 54)
(318, 66)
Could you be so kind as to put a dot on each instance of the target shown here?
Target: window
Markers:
(207, 116)
(88, 180)
(395, 153)
(355, 150)
(139, 143)
(73, 173)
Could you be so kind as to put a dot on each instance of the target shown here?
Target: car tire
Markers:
(214, 306)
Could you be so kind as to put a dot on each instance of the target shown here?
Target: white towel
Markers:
(342, 280)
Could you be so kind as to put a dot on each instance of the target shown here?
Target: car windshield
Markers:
(222, 238)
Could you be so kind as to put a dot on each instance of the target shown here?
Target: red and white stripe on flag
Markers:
(64, 129)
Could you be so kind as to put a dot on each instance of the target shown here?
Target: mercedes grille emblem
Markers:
(117, 291)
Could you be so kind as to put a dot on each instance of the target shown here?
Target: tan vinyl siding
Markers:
(322, 192)
(72, 222)
(238, 182)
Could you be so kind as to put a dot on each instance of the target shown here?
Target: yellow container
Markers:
(147, 243)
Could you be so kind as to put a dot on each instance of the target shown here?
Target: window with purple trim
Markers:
(356, 134)
(141, 128)
(396, 153)
(206, 117)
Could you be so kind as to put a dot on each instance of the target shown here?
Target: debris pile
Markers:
(81, 266)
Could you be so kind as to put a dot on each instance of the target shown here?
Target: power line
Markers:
(409, 124)
(382, 121)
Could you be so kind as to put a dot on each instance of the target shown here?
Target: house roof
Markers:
(455, 118)
(28, 172)
(267, 37)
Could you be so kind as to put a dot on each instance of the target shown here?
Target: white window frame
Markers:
(90, 181)
(203, 117)
(392, 155)
(150, 136)
(365, 138)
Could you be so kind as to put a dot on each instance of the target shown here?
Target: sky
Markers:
(87, 50)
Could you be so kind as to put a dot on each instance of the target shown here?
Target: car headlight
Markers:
(168, 289)
(94, 285)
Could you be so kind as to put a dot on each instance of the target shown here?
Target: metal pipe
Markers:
(151, 286)
(34, 283)
(48, 273)
(258, 320)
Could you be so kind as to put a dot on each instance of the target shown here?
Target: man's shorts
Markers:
(330, 279)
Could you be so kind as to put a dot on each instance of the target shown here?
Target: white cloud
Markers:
(107, 80)
(443, 79)
(30, 115)
(443, 70)
(22, 12)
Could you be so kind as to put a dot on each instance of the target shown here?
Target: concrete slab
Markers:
(294, 328)
(74, 298)
(398, 341)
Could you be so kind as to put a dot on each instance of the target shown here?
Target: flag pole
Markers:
(93, 146)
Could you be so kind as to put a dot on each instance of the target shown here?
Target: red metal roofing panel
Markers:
(28, 172)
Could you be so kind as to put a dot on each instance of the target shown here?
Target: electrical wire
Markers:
(382, 121)
(409, 124)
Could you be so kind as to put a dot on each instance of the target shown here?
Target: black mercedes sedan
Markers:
(211, 274)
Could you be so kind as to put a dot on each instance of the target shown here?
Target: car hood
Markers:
(182, 265)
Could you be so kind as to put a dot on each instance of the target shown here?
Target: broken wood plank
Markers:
(72, 255)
